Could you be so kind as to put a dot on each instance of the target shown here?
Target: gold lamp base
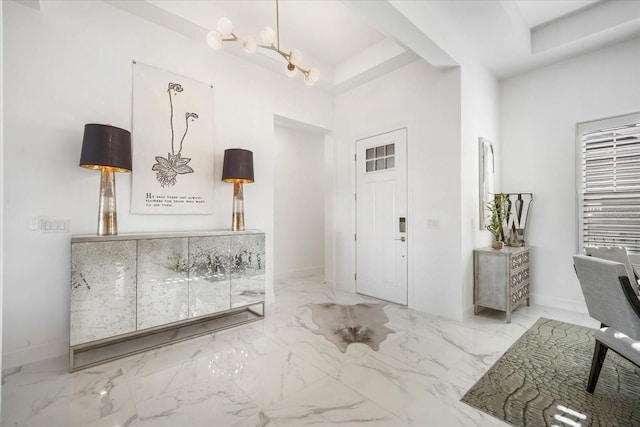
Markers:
(237, 220)
(107, 215)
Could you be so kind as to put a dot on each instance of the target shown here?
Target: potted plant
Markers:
(499, 212)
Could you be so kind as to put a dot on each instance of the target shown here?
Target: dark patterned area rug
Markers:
(542, 379)
(347, 324)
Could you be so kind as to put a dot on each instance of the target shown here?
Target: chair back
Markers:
(604, 295)
(613, 253)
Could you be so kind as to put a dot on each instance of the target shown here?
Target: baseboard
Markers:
(543, 301)
(270, 297)
(34, 354)
(561, 303)
(305, 272)
(468, 313)
(345, 287)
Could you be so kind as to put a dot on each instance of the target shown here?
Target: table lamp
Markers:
(238, 169)
(108, 149)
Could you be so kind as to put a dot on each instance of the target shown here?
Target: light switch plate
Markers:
(49, 225)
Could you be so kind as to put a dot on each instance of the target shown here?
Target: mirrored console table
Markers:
(135, 292)
(500, 278)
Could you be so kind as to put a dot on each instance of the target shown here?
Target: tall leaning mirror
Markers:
(487, 176)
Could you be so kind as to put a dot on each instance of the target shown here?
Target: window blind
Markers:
(611, 187)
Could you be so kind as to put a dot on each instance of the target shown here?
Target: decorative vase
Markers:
(497, 244)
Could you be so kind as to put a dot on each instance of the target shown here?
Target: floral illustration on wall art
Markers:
(167, 169)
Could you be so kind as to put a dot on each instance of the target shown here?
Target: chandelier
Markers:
(268, 40)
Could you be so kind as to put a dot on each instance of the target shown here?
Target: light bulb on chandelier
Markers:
(248, 44)
(214, 40)
(295, 57)
(268, 40)
(267, 36)
(225, 27)
(311, 76)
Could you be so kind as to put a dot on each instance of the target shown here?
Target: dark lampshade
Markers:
(106, 146)
(238, 166)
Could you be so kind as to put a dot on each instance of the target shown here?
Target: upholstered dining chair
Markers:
(611, 300)
(618, 254)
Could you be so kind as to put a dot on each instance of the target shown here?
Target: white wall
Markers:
(478, 118)
(298, 203)
(330, 194)
(480, 99)
(1, 190)
(539, 112)
(70, 64)
(427, 102)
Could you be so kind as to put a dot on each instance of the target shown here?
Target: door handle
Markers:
(402, 239)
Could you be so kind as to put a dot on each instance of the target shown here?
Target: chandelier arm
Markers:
(278, 24)
(302, 70)
(233, 38)
(275, 49)
(286, 57)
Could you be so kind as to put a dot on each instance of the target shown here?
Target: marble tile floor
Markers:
(276, 372)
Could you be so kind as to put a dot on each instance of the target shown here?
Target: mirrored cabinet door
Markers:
(247, 269)
(103, 290)
(208, 275)
(163, 281)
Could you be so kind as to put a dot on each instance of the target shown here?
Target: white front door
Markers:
(381, 216)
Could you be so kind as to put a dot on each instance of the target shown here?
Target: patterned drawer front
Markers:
(520, 260)
(519, 278)
(519, 295)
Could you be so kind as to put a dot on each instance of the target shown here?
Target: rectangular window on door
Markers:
(380, 158)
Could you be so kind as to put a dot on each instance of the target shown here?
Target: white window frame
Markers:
(586, 128)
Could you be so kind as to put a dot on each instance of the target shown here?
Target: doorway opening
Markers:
(299, 200)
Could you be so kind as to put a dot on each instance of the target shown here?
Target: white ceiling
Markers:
(326, 29)
(352, 41)
(538, 12)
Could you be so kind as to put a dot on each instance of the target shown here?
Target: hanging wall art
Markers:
(486, 167)
(172, 143)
